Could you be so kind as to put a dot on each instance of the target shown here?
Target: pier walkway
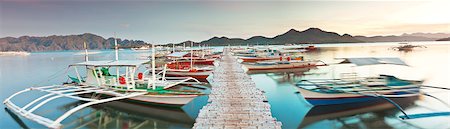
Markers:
(235, 102)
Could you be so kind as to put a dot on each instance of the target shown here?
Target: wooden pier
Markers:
(235, 102)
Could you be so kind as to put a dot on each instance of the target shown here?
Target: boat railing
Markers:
(60, 91)
(174, 83)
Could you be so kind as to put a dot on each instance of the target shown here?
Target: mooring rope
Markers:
(53, 76)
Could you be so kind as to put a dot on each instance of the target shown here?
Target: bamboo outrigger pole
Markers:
(116, 47)
(153, 66)
(117, 57)
(173, 48)
(86, 57)
(192, 54)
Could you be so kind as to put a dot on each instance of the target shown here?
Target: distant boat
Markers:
(14, 53)
(407, 47)
(254, 54)
(90, 53)
(283, 64)
(259, 58)
(298, 48)
(141, 48)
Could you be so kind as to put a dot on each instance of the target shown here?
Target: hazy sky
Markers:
(177, 21)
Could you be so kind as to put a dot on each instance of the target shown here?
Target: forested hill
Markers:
(69, 42)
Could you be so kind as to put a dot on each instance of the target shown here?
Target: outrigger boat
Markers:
(101, 87)
(244, 52)
(184, 58)
(259, 55)
(182, 69)
(351, 89)
(341, 91)
(165, 91)
(297, 62)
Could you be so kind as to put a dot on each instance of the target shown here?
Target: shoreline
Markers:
(14, 53)
(303, 44)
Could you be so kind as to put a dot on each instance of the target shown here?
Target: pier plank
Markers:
(235, 102)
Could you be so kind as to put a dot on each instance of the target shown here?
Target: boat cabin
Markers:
(123, 75)
(120, 74)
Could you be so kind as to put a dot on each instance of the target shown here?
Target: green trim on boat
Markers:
(76, 80)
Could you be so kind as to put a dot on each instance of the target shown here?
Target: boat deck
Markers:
(235, 102)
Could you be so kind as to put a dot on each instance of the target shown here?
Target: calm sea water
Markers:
(48, 68)
(289, 107)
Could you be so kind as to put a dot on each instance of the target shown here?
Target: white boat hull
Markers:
(174, 100)
(201, 75)
(166, 100)
(300, 64)
(317, 98)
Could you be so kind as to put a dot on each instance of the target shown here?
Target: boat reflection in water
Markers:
(281, 71)
(355, 115)
(119, 114)
(123, 114)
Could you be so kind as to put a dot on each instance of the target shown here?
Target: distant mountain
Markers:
(444, 39)
(429, 35)
(393, 38)
(69, 42)
(404, 37)
(316, 35)
(311, 35)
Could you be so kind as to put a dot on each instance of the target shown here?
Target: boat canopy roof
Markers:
(373, 61)
(293, 51)
(134, 63)
(197, 48)
(178, 54)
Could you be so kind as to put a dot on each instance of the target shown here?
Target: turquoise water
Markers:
(289, 107)
(48, 68)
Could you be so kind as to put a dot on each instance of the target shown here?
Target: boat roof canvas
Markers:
(294, 46)
(112, 63)
(177, 54)
(293, 51)
(197, 49)
(373, 61)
